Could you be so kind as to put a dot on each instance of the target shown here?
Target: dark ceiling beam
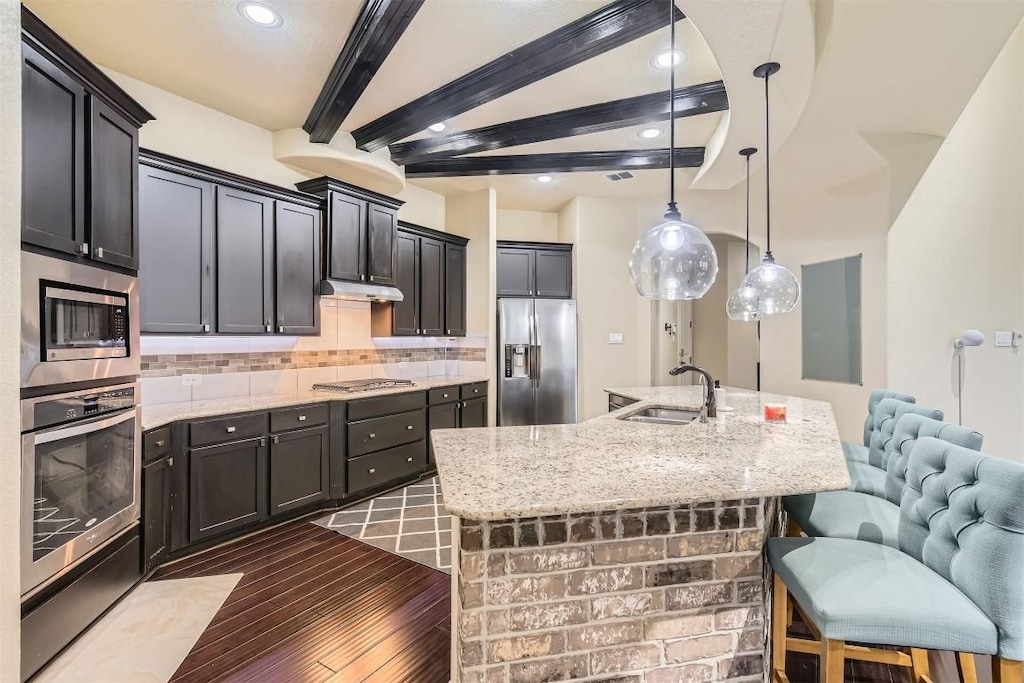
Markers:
(632, 111)
(560, 162)
(596, 33)
(379, 26)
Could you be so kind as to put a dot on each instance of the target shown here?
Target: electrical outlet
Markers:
(191, 380)
(615, 338)
(1004, 339)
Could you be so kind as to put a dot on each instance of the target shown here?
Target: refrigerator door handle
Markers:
(535, 363)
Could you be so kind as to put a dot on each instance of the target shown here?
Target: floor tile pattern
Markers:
(410, 522)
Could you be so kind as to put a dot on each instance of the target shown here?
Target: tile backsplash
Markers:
(232, 367)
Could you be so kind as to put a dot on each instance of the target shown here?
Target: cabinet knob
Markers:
(449, 330)
(444, 395)
(373, 436)
(408, 459)
(206, 327)
(83, 248)
(362, 277)
(417, 330)
(280, 328)
(160, 443)
(476, 391)
(371, 278)
(277, 439)
(372, 470)
(409, 428)
(231, 430)
(302, 418)
(170, 461)
(99, 252)
(268, 327)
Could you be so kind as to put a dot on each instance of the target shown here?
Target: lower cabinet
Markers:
(444, 416)
(298, 468)
(156, 509)
(373, 470)
(474, 412)
(227, 487)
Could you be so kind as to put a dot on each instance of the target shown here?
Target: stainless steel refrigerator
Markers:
(536, 361)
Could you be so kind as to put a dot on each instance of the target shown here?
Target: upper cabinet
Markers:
(430, 271)
(79, 153)
(528, 269)
(226, 254)
(361, 235)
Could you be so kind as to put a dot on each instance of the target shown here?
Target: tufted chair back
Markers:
(962, 515)
(876, 397)
(909, 429)
(887, 413)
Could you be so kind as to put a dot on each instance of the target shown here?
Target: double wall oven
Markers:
(81, 441)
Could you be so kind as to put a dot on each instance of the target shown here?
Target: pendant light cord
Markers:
(672, 102)
(746, 267)
(767, 172)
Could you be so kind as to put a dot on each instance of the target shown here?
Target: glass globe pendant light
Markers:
(673, 260)
(777, 288)
(742, 304)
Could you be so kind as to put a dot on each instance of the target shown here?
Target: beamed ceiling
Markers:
(523, 86)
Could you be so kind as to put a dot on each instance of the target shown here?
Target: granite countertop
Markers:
(154, 416)
(609, 464)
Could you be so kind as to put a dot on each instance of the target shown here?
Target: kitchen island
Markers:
(621, 550)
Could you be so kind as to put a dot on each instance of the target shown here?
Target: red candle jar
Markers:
(774, 413)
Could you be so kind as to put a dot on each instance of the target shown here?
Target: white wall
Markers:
(10, 318)
(422, 207)
(527, 226)
(956, 258)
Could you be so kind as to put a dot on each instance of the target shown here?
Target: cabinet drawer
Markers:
(365, 408)
(156, 443)
(299, 418)
(373, 470)
(443, 395)
(224, 429)
(473, 390)
(385, 432)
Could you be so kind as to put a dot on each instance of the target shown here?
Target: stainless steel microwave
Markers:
(78, 323)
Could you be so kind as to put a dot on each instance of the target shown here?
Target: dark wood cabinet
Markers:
(298, 468)
(114, 192)
(79, 153)
(297, 268)
(526, 269)
(474, 413)
(381, 231)
(406, 313)
(175, 252)
(156, 511)
(455, 290)
(346, 237)
(432, 291)
(245, 262)
(53, 155)
(227, 487)
(444, 416)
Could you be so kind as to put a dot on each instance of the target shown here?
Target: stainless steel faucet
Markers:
(710, 409)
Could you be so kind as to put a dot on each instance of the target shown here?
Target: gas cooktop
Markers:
(356, 385)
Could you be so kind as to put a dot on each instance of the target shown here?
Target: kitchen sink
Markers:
(663, 416)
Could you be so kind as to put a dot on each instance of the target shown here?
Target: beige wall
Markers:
(527, 226)
(956, 258)
(10, 313)
(422, 207)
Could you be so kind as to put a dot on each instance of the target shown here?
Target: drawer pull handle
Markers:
(444, 395)
(231, 430)
(160, 443)
(372, 470)
(476, 391)
(408, 459)
(302, 418)
(373, 436)
(409, 428)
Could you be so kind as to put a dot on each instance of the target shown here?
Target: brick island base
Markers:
(660, 595)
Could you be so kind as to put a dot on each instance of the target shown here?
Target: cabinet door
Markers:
(431, 287)
(227, 487)
(297, 268)
(156, 511)
(455, 290)
(114, 189)
(474, 412)
(346, 238)
(444, 416)
(245, 266)
(405, 314)
(381, 231)
(53, 155)
(298, 468)
(515, 272)
(554, 274)
(175, 252)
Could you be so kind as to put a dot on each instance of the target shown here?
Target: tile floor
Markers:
(410, 522)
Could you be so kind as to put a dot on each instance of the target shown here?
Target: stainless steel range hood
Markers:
(358, 291)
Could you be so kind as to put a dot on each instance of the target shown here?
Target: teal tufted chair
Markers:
(909, 429)
(870, 477)
(877, 396)
(962, 515)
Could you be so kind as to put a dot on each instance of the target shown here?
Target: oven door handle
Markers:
(81, 428)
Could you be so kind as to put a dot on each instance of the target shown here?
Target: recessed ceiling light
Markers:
(260, 14)
(437, 127)
(544, 178)
(650, 133)
(668, 59)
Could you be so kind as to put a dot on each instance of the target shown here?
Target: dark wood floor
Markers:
(313, 605)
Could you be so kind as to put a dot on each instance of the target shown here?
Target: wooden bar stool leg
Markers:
(780, 620)
(833, 661)
(919, 665)
(1007, 671)
(965, 666)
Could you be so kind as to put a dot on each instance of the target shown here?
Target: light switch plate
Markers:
(1004, 338)
(191, 380)
(615, 338)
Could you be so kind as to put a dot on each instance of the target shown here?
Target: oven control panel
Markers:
(82, 405)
